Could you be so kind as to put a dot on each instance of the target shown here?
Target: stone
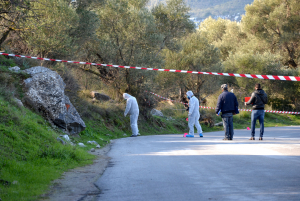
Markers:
(92, 150)
(19, 102)
(60, 140)
(14, 69)
(100, 96)
(71, 143)
(92, 142)
(45, 93)
(66, 137)
(81, 144)
(155, 112)
(98, 146)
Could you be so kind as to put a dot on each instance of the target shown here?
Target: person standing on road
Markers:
(132, 109)
(194, 115)
(258, 98)
(227, 104)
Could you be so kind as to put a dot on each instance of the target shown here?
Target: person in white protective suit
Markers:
(194, 115)
(132, 109)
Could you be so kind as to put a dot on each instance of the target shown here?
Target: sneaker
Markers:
(252, 138)
(133, 135)
(200, 134)
(260, 138)
(225, 139)
(189, 136)
(138, 134)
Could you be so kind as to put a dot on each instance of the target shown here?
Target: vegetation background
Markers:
(128, 32)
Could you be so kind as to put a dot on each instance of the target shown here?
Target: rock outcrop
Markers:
(45, 93)
(155, 112)
(100, 96)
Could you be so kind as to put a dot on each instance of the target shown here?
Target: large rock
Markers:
(100, 96)
(155, 112)
(45, 93)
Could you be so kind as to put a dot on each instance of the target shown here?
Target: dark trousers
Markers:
(260, 115)
(227, 119)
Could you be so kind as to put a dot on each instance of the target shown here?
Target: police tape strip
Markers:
(266, 77)
(248, 110)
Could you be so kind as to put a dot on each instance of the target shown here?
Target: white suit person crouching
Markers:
(132, 109)
(194, 115)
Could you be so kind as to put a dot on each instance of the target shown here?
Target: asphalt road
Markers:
(173, 168)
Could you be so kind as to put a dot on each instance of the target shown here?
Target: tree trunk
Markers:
(4, 36)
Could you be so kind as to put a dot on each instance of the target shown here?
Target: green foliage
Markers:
(264, 64)
(172, 21)
(280, 104)
(224, 34)
(49, 34)
(6, 62)
(12, 16)
(11, 84)
(196, 54)
(274, 22)
(127, 36)
(30, 155)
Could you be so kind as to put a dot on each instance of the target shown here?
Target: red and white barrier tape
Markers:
(271, 111)
(266, 77)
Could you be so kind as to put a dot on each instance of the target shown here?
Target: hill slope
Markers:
(204, 8)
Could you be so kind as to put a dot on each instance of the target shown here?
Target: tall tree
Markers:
(50, 34)
(172, 21)
(196, 55)
(12, 16)
(127, 36)
(277, 22)
(224, 34)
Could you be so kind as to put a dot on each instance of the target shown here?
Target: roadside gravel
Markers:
(78, 184)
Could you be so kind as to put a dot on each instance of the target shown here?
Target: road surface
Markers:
(173, 168)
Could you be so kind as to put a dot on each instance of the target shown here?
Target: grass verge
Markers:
(31, 157)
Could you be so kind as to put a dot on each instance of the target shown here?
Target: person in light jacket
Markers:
(132, 109)
(194, 115)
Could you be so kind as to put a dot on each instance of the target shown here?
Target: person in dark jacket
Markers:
(258, 99)
(227, 104)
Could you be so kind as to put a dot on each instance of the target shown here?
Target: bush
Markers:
(6, 61)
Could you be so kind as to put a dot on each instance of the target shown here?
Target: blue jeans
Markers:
(260, 115)
(227, 119)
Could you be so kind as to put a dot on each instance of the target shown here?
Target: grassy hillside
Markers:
(31, 156)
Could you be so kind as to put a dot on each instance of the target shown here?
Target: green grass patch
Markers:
(30, 155)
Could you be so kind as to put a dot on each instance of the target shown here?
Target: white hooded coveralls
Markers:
(132, 109)
(194, 113)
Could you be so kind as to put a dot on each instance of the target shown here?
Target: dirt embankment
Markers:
(78, 184)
